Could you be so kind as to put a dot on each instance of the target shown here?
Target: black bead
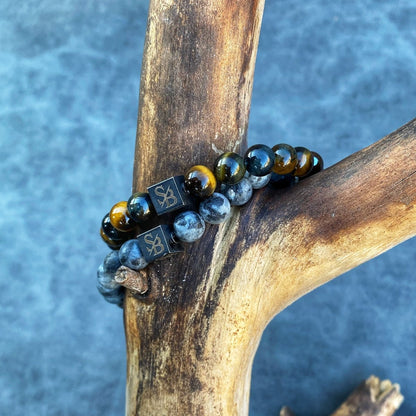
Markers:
(140, 207)
(282, 181)
(259, 160)
(110, 231)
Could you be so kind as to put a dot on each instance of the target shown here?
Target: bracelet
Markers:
(128, 229)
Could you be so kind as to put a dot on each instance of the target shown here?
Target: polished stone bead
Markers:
(200, 181)
(110, 231)
(119, 217)
(318, 163)
(305, 161)
(158, 242)
(259, 160)
(114, 245)
(258, 182)
(188, 226)
(282, 181)
(229, 168)
(169, 195)
(106, 284)
(285, 159)
(140, 207)
(216, 209)
(131, 256)
(239, 193)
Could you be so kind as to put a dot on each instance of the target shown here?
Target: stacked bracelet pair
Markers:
(129, 230)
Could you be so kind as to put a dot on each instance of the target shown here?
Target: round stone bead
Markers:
(258, 182)
(259, 160)
(285, 159)
(131, 256)
(114, 245)
(200, 181)
(229, 168)
(140, 207)
(110, 231)
(305, 161)
(282, 181)
(318, 163)
(119, 217)
(106, 284)
(188, 226)
(216, 209)
(239, 193)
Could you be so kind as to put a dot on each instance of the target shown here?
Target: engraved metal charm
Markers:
(169, 195)
(157, 243)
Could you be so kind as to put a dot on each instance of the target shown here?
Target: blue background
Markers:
(331, 75)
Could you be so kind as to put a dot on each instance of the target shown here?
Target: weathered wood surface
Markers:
(372, 397)
(192, 339)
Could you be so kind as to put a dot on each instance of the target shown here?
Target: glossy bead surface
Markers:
(130, 255)
(119, 217)
(259, 160)
(285, 159)
(305, 161)
(188, 226)
(239, 193)
(110, 231)
(106, 284)
(114, 245)
(318, 163)
(282, 181)
(216, 209)
(140, 207)
(258, 182)
(229, 168)
(200, 181)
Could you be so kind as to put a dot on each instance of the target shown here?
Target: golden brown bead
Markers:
(305, 161)
(229, 168)
(119, 217)
(200, 181)
(114, 245)
(285, 159)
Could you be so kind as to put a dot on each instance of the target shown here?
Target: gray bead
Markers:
(111, 262)
(131, 256)
(258, 182)
(239, 193)
(105, 280)
(216, 209)
(189, 226)
(116, 297)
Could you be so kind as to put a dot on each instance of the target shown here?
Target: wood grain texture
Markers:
(191, 340)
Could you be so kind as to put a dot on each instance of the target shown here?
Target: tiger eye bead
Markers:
(285, 159)
(229, 168)
(119, 217)
(114, 245)
(259, 160)
(200, 181)
(140, 207)
(305, 161)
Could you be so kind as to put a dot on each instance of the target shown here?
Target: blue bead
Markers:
(259, 160)
(238, 194)
(111, 262)
(189, 226)
(106, 284)
(216, 209)
(258, 182)
(131, 256)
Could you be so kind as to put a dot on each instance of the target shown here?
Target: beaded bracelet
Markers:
(125, 229)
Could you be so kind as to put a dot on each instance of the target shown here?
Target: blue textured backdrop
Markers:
(331, 75)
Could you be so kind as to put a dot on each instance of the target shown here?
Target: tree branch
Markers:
(191, 340)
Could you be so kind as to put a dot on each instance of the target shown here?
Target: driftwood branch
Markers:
(372, 397)
(191, 340)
